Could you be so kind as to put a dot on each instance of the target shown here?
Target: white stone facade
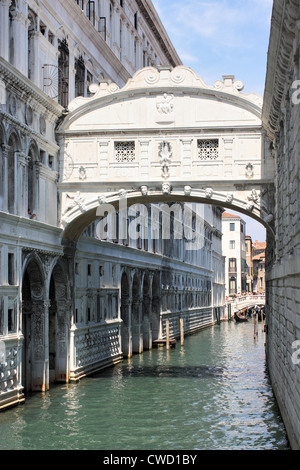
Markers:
(234, 250)
(281, 117)
(64, 311)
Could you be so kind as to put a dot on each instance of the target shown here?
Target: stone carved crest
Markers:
(164, 104)
(165, 108)
(165, 154)
(82, 173)
(249, 170)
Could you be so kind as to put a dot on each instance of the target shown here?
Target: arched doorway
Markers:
(34, 313)
(58, 325)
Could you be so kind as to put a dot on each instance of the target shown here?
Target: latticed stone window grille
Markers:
(208, 149)
(125, 151)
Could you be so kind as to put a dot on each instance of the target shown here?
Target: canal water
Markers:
(212, 394)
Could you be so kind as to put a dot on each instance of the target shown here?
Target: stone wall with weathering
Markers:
(281, 118)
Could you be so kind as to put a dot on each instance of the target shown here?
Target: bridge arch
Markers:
(166, 136)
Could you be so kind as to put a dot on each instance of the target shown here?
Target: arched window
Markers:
(11, 169)
(32, 183)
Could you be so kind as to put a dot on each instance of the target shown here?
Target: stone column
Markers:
(40, 345)
(22, 184)
(63, 313)
(4, 29)
(19, 33)
(147, 332)
(126, 328)
(137, 333)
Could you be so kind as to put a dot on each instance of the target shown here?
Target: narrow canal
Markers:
(212, 394)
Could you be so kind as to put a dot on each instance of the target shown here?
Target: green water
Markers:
(212, 394)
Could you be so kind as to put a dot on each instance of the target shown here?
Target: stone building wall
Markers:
(281, 118)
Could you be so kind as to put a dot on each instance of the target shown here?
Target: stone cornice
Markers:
(280, 57)
(17, 80)
(150, 16)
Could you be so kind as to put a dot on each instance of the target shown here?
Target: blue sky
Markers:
(222, 37)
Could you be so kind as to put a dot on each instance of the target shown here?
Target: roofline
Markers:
(155, 24)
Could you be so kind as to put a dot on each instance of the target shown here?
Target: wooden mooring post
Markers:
(181, 332)
(167, 334)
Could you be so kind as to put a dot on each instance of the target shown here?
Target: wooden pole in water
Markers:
(181, 332)
(254, 323)
(168, 334)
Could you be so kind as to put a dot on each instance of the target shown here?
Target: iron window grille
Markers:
(208, 149)
(125, 152)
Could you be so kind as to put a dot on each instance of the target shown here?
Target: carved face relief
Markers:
(166, 188)
(209, 193)
(187, 190)
(144, 190)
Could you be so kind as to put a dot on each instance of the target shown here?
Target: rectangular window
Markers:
(63, 73)
(11, 269)
(91, 11)
(232, 244)
(89, 269)
(232, 227)
(11, 320)
(232, 265)
(79, 76)
(80, 3)
(102, 27)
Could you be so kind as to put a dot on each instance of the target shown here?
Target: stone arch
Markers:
(33, 321)
(58, 323)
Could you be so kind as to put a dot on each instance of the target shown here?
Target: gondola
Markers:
(240, 318)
